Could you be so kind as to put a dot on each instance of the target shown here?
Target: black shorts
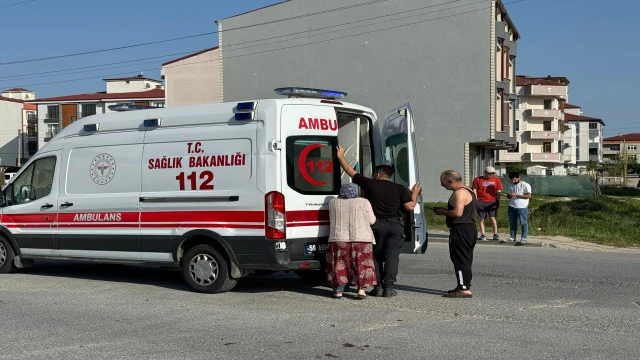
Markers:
(487, 208)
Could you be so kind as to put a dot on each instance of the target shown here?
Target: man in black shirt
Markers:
(389, 202)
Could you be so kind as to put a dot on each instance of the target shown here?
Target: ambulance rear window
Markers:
(312, 168)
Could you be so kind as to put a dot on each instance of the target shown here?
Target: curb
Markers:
(442, 238)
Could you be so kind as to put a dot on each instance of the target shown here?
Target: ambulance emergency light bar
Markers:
(308, 92)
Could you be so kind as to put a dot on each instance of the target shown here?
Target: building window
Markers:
(614, 148)
(631, 147)
(577, 140)
(32, 130)
(546, 147)
(593, 152)
(560, 146)
(548, 104)
(52, 130)
(32, 147)
(593, 126)
(516, 124)
(53, 112)
(88, 110)
(546, 126)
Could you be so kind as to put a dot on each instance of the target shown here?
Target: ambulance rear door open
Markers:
(398, 148)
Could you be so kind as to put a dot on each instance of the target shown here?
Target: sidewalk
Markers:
(559, 242)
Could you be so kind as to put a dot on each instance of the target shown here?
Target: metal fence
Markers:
(570, 186)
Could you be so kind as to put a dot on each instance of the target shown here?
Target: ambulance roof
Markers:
(187, 115)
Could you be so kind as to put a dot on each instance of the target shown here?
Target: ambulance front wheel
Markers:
(205, 270)
(6, 257)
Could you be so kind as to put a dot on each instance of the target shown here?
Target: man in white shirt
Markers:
(519, 193)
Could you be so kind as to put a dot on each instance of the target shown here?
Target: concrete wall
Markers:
(131, 86)
(10, 123)
(193, 81)
(440, 66)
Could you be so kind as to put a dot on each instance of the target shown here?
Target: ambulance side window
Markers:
(35, 182)
(312, 168)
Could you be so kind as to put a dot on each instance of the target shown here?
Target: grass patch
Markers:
(606, 220)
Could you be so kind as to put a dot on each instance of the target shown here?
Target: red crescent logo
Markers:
(301, 164)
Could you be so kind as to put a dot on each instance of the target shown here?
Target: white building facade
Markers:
(55, 113)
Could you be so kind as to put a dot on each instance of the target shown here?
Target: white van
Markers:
(222, 190)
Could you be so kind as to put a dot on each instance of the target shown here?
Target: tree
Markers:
(592, 166)
(517, 167)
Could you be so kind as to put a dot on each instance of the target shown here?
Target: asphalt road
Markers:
(529, 303)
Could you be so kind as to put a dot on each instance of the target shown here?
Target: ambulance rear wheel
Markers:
(6, 257)
(205, 270)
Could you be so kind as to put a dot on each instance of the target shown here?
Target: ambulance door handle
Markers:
(66, 204)
(46, 206)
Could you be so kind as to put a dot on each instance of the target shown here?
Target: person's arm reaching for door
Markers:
(344, 164)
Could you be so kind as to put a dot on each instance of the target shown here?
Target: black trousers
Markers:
(462, 241)
(387, 250)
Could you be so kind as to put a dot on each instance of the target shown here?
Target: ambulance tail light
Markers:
(275, 223)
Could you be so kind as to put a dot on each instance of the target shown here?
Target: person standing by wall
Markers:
(389, 201)
(350, 252)
(463, 233)
(519, 193)
(488, 189)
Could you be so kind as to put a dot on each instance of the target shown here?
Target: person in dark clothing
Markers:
(389, 202)
(463, 233)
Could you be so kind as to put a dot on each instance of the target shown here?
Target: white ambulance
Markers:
(222, 190)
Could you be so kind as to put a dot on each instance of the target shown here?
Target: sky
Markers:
(593, 45)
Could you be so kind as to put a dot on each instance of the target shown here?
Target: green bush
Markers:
(604, 220)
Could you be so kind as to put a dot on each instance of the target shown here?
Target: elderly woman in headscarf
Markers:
(350, 252)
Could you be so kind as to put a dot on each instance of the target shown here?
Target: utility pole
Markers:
(625, 163)
(19, 147)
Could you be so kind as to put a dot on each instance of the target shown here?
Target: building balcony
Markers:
(606, 151)
(52, 118)
(594, 145)
(49, 135)
(32, 134)
(559, 91)
(543, 157)
(504, 85)
(32, 119)
(543, 113)
(542, 135)
(594, 158)
(504, 156)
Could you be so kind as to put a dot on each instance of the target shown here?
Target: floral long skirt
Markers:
(350, 262)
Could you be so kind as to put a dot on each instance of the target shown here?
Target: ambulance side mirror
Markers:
(26, 194)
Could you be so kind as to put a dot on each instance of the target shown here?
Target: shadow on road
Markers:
(171, 278)
(419, 290)
(165, 277)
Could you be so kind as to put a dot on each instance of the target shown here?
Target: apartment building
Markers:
(454, 63)
(615, 146)
(539, 127)
(587, 133)
(193, 79)
(55, 113)
(18, 127)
